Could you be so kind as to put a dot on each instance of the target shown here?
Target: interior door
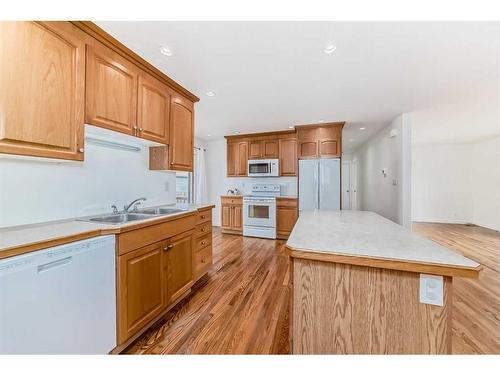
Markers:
(308, 184)
(329, 184)
(346, 185)
(354, 185)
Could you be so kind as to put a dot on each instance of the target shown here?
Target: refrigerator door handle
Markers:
(317, 177)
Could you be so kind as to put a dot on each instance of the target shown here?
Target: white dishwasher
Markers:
(60, 300)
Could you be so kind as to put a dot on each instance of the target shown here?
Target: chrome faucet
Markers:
(134, 203)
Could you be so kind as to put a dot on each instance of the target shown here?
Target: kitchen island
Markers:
(362, 284)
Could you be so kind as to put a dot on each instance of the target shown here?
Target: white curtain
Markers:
(200, 178)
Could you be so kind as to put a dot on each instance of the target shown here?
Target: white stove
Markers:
(259, 211)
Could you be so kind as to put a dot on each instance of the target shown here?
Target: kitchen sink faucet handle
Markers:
(115, 209)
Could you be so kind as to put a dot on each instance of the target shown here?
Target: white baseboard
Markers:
(447, 221)
(440, 221)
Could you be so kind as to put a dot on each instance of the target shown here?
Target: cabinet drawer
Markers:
(203, 241)
(231, 200)
(204, 216)
(286, 202)
(134, 239)
(202, 260)
(203, 228)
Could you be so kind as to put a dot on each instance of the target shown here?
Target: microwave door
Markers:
(257, 169)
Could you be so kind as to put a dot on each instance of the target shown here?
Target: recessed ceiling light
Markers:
(362, 128)
(236, 132)
(209, 135)
(321, 121)
(210, 93)
(164, 50)
(290, 127)
(330, 48)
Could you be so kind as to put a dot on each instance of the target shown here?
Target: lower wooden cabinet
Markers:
(141, 288)
(178, 265)
(157, 265)
(286, 216)
(232, 215)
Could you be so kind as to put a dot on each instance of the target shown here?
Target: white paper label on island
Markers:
(431, 289)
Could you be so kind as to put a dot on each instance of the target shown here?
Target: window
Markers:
(184, 187)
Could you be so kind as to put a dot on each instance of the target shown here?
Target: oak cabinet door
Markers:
(270, 149)
(226, 217)
(255, 150)
(237, 218)
(308, 149)
(242, 163)
(111, 90)
(285, 220)
(329, 148)
(42, 89)
(232, 159)
(181, 134)
(153, 109)
(178, 265)
(141, 289)
(288, 157)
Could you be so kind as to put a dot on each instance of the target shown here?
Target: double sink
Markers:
(125, 217)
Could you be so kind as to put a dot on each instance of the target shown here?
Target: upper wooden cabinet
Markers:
(111, 90)
(237, 159)
(273, 145)
(288, 157)
(320, 141)
(263, 149)
(42, 89)
(153, 109)
(181, 148)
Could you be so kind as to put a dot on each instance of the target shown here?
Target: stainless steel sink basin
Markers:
(161, 211)
(119, 218)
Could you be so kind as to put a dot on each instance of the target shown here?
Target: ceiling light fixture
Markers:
(290, 127)
(362, 128)
(236, 132)
(330, 48)
(321, 121)
(210, 93)
(164, 50)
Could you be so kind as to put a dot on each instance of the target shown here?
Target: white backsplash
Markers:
(244, 184)
(33, 191)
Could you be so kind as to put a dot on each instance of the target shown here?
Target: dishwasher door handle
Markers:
(54, 264)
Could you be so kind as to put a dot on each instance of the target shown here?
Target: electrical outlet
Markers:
(431, 289)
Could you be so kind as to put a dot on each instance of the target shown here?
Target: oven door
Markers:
(259, 212)
(259, 168)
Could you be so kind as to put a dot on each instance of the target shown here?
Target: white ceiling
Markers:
(271, 75)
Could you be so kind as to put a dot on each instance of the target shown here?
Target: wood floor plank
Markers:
(242, 307)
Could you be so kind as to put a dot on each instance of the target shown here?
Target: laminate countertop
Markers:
(23, 239)
(368, 239)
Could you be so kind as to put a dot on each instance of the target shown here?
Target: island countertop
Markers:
(368, 239)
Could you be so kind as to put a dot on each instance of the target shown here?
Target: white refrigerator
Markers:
(319, 184)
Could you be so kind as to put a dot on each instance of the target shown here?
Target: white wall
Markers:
(442, 183)
(37, 191)
(457, 183)
(219, 183)
(387, 195)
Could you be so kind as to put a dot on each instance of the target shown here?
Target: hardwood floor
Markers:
(242, 307)
(476, 302)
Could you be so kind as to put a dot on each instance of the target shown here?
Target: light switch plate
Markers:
(431, 289)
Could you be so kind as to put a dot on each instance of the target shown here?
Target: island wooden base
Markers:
(347, 309)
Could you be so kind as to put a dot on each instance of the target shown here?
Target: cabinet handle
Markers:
(141, 129)
(202, 217)
(168, 247)
(202, 229)
(203, 242)
(81, 150)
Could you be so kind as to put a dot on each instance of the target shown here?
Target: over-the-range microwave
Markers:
(263, 168)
